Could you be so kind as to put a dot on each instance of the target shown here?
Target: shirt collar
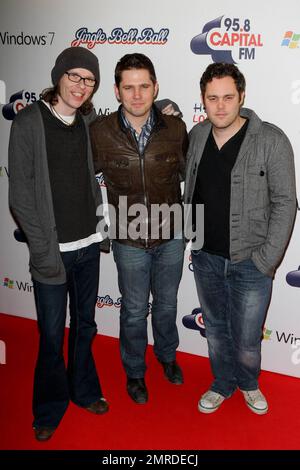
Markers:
(149, 123)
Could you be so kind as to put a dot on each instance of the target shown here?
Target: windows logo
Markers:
(291, 40)
(8, 283)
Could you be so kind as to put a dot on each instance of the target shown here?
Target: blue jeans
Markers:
(234, 300)
(157, 270)
(54, 385)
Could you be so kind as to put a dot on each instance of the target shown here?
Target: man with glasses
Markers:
(54, 195)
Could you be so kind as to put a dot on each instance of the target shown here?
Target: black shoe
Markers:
(173, 372)
(137, 390)
(99, 407)
(43, 434)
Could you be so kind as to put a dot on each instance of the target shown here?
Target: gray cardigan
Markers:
(30, 195)
(263, 195)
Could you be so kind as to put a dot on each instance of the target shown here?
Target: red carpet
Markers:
(170, 420)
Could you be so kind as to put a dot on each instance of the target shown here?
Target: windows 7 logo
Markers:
(267, 333)
(8, 283)
(291, 40)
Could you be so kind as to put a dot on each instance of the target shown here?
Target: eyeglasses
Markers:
(74, 77)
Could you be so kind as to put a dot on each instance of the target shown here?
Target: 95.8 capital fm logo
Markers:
(194, 321)
(228, 39)
(18, 101)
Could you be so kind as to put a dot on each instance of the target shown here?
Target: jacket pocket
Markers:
(46, 263)
(257, 176)
(166, 168)
(117, 173)
(258, 224)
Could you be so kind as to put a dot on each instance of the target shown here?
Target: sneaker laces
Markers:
(255, 396)
(213, 397)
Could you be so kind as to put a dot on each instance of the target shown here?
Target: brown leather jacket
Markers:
(151, 178)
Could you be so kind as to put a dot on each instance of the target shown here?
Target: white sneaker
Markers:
(210, 402)
(256, 401)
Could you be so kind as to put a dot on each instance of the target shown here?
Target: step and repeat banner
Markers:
(181, 38)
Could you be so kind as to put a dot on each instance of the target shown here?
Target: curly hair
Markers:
(221, 70)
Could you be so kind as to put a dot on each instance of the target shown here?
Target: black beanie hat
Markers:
(72, 58)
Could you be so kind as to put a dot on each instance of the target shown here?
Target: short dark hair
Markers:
(134, 61)
(220, 70)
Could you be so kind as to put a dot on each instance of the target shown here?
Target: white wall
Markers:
(273, 90)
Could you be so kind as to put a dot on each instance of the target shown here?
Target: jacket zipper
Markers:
(142, 167)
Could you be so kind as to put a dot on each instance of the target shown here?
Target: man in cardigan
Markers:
(53, 195)
(242, 170)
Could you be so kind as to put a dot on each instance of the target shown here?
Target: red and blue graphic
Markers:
(199, 113)
(194, 321)
(293, 278)
(227, 39)
(17, 102)
(100, 179)
(107, 301)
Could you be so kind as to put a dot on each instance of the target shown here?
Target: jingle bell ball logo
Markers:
(228, 40)
(120, 36)
(107, 301)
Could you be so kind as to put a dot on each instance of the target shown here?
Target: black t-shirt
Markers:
(212, 189)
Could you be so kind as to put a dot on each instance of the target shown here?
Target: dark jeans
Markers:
(54, 385)
(157, 270)
(234, 299)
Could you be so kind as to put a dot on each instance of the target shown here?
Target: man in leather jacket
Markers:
(142, 156)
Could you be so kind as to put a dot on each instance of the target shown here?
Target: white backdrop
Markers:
(261, 37)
